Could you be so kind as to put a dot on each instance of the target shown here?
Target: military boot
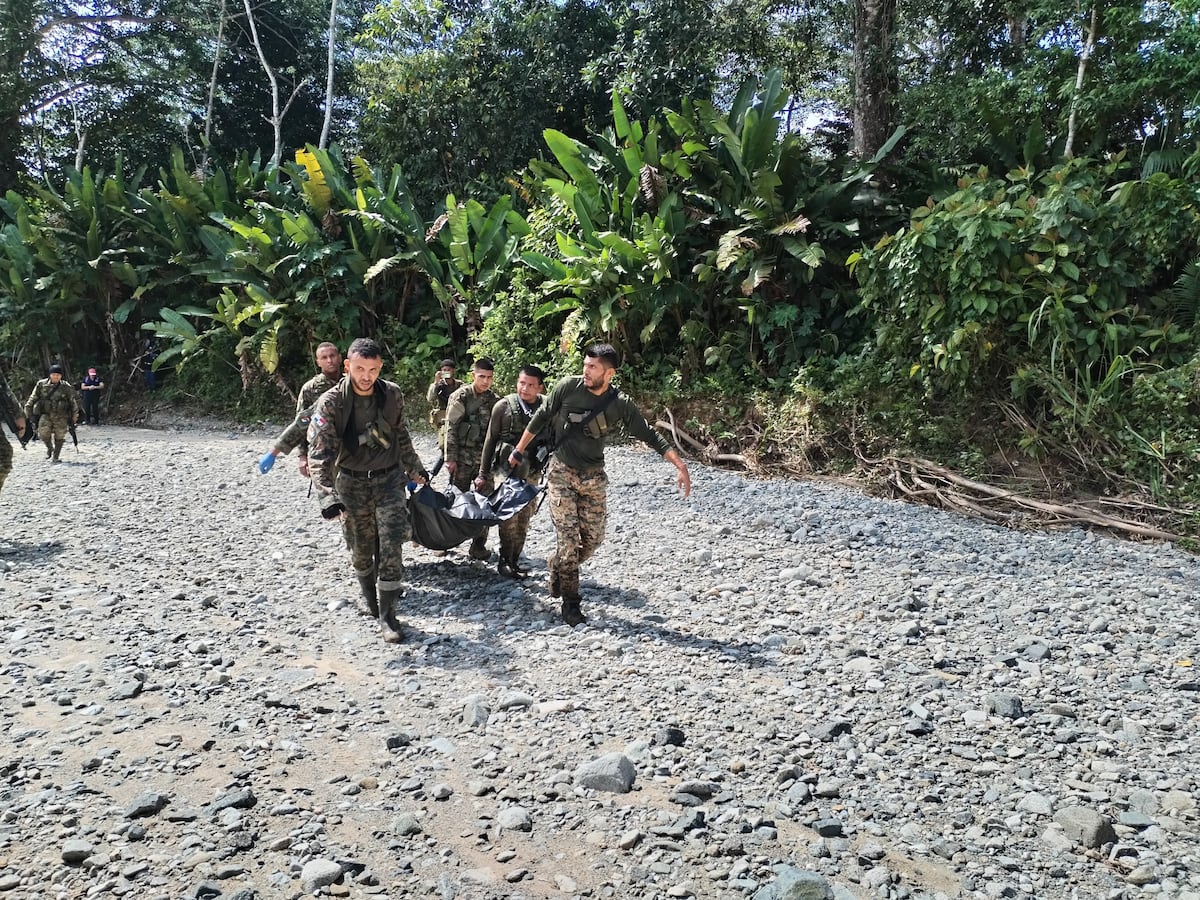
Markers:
(478, 549)
(49, 449)
(391, 629)
(370, 594)
(514, 564)
(571, 613)
(58, 445)
(503, 567)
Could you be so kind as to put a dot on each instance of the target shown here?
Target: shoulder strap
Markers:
(575, 427)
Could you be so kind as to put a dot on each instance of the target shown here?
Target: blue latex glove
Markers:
(265, 464)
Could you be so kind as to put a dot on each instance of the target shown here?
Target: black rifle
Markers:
(74, 436)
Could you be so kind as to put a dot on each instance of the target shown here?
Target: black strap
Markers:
(575, 427)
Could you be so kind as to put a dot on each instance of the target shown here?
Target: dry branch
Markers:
(707, 453)
(920, 479)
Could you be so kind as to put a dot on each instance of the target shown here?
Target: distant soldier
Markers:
(329, 361)
(55, 407)
(583, 411)
(510, 416)
(358, 430)
(14, 417)
(444, 384)
(467, 414)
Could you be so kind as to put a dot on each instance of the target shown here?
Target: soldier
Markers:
(329, 361)
(54, 400)
(467, 414)
(509, 418)
(444, 384)
(358, 427)
(582, 411)
(12, 416)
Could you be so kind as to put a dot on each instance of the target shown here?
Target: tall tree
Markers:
(875, 75)
(64, 69)
(460, 94)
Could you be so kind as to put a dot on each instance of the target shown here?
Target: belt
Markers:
(368, 473)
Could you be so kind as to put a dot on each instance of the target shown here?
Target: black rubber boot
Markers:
(392, 630)
(571, 613)
(478, 549)
(370, 594)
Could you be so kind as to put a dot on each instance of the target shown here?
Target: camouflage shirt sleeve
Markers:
(31, 405)
(497, 428)
(295, 435)
(324, 445)
(456, 411)
(310, 393)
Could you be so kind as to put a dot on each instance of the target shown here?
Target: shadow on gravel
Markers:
(467, 592)
(37, 553)
(656, 626)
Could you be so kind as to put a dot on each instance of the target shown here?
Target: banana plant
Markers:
(478, 246)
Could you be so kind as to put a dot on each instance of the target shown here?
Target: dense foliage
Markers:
(1011, 259)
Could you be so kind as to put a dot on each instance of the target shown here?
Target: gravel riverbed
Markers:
(786, 690)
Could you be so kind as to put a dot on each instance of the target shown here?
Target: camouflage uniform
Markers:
(508, 421)
(296, 434)
(365, 438)
(309, 394)
(58, 407)
(12, 409)
(577, 483)
(467, 416)
(438, 396)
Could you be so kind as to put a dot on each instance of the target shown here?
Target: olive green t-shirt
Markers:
(583, 448)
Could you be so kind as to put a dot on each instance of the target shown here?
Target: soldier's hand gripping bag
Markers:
(512, 496)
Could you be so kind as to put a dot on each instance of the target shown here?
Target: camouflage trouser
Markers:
(376, 526)
(578, 509)
(6, 459)
(55, 427)
(514, 531)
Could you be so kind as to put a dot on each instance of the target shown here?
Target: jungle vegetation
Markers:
(898, 235)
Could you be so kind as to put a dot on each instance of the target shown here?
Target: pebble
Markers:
(785, 690)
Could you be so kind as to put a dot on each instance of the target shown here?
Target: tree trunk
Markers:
(329, 75)
(875, 75)
(222, 18)
(1088, 46)
(276, 119)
